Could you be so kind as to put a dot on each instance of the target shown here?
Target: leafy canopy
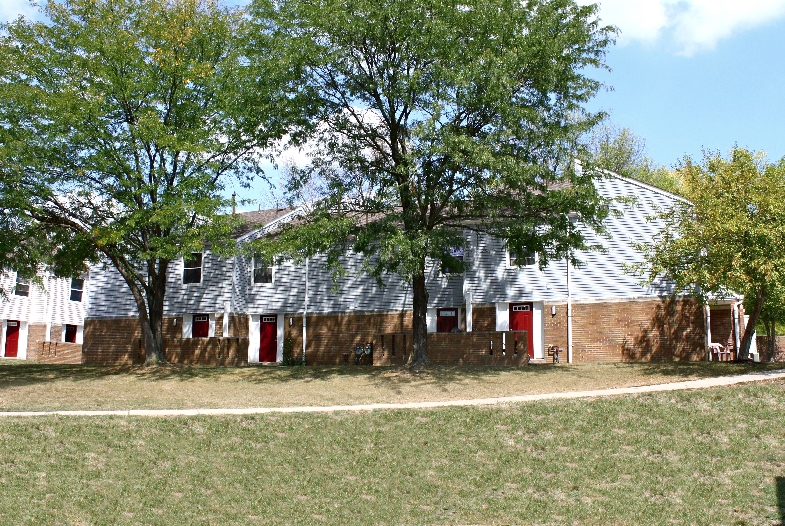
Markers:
(438, 117)
(622, 152)
(730, 235)
(121, 122)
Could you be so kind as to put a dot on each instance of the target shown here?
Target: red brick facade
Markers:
(455, 348)
(650, 330)
(763, 349)
(118, 341)
(640, 331)
(59, 352)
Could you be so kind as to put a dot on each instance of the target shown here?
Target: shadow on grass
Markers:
(20, 373)
(780, 481)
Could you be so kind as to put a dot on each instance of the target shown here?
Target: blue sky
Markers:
(686, 74)
(708, 75)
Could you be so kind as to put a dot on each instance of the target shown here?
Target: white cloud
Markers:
(11, 9)
(691, 25)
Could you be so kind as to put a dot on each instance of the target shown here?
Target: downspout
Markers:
(48, 308)
(569, 313)
(305, 310)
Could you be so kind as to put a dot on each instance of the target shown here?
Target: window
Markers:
(450, 267)
(522, 259)
(77, 286)
(69, 335)
(192, 268)
(22, 286)
(262, 271)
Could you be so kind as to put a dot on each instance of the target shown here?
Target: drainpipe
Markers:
(569, 313)
(48, 308)
(305, 309)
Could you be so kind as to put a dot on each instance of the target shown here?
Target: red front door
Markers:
(521, 320)
(201, 327)
(70, 333)
(12, 339)
(446, 320)
(268, 341)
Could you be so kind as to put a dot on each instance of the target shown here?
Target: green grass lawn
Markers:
(34, 387)
(714, 456)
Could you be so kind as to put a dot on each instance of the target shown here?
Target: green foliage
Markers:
(120, 123)
(435, 117)
(289, 358)
(622, 152)
(730, 236)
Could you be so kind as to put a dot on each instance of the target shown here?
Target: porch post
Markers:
(226, 320)
(569, 313)
(468, 312)
(707, 316)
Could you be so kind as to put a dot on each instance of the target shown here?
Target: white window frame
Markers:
(200, 267)
(510, 264)
(23, 282)
(462, 260)
(273, 272)
(81, 291)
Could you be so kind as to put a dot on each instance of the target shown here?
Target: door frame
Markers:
(254, 336)
(21, 350)
(538, 323)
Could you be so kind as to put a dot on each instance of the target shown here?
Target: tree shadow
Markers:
(674, 332)
(20, 373)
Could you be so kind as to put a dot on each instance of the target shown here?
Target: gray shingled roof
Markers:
(257, 219)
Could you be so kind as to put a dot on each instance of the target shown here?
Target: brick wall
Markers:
(59, 352)
(118, 341)
(483, 318)
(331, 336)
(641, 331)
(36, 335)
(621, 331)
(659, 330)
(207, 351)
(115, 341)
(454, 348)
(763, 349)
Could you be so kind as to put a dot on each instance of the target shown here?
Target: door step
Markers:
(540, 361)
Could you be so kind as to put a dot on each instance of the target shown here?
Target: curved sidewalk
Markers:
(675, 386)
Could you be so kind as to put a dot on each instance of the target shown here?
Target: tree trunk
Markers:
(746, 341)
(155, 293)
(771, 344)
(419, 356)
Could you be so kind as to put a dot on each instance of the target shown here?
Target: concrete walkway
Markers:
(675, 386)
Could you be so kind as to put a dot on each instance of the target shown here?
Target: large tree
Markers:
(623, 152)
(120, 124)
(440, 116)
(729, 236)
